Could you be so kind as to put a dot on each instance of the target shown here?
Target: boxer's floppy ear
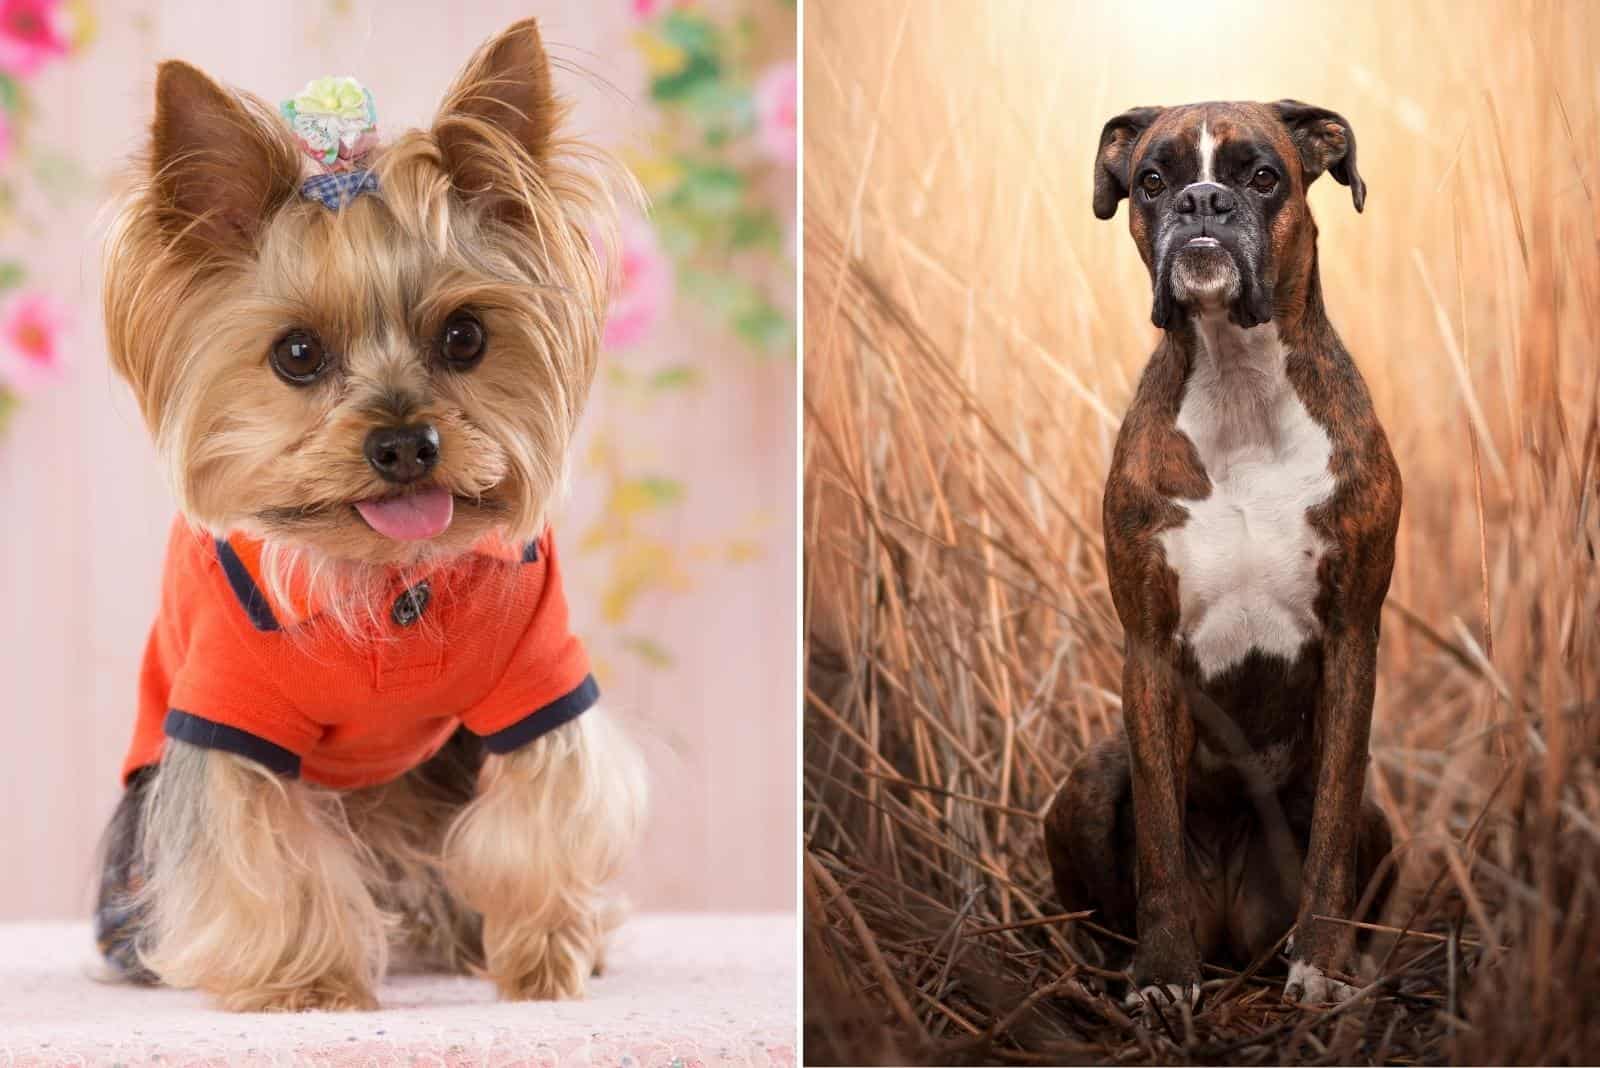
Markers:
(1111, 164)
(1326, 143)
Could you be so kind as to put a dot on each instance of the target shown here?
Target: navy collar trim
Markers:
(254, 602)
(251, 599)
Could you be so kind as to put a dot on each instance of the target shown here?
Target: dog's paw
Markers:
(543, 984)
(1162, 995)
(1308, 986)
(560, 971)
(316, 998)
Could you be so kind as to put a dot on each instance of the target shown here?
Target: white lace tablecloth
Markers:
(680, 991)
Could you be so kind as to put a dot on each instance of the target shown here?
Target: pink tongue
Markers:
(409, 518)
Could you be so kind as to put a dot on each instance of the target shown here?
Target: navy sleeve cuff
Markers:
(196, 731)
(542, 721)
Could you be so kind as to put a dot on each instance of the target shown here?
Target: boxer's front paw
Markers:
(1307, 985)
(1162, 996)
(1166, 970)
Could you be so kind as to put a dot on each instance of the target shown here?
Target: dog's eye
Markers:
(1152, 184)
(299, 358)
(462, 340)
(1264, 181)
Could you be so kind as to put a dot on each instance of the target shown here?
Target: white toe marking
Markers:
(1163, 995)
(1314, 988)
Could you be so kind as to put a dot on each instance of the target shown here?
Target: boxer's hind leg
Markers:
(1267, 886)
(1090, 840)
(1377, 876)
(1376, 873)
(1088, 836)
(1270, 870)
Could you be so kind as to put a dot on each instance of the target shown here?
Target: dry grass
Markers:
(972, 337)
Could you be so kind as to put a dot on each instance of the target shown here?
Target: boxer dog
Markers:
(1250, 517)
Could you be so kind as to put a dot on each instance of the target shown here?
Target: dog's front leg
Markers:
(1160, 738)
(552, 822)
(254, 890)
(1328, 883)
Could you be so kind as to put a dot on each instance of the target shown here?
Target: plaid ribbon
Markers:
(337, 189)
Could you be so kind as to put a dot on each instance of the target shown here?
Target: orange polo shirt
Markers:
(482, 642)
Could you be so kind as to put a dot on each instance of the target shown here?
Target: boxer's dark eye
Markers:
(1152, 184)
(1264, 181)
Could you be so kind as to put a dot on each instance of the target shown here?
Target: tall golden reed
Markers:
(972, 338)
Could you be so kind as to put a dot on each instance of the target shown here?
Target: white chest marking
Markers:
(1246, 557)
(1208, 150)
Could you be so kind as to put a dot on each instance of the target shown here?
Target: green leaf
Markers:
(671, 88)
(10, 93)
(677, 230)
(690, 31)
(725, 294)
(8, 404)
(61, 177)
(12, 274)
(755, 229)
(662, 490)
(764, 327)
(637, 495)
(680, 376)
(710, 189)
(722, 110)
(649, 650)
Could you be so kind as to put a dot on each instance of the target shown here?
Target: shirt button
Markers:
(410, 605)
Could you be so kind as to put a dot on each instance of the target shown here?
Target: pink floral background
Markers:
(679, 533)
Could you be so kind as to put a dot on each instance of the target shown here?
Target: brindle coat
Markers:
(1234, 808)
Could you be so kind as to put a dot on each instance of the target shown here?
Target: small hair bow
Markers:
(335, 189)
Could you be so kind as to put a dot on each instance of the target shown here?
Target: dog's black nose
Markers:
(1204, 198)
(403, 453)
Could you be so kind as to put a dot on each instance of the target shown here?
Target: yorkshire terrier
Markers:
(364, 727)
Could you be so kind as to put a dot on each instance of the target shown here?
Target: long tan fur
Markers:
(255, 889)
(403, 824)
(484, 210)
(552, 823)
(275, 894)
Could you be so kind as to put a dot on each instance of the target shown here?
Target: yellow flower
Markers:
(81, 22)
(661, 58)
(656, 173)
(341, 97)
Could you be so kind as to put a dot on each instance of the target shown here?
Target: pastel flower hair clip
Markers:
(335, 122)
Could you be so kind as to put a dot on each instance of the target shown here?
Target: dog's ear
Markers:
(502, 107)
(1326, 143)
(219, 163)
(1111, 163)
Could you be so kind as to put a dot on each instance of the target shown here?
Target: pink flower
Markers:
(31, 353)
(644, 289)
(776, 94)
(645, 10)
(32, 32)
